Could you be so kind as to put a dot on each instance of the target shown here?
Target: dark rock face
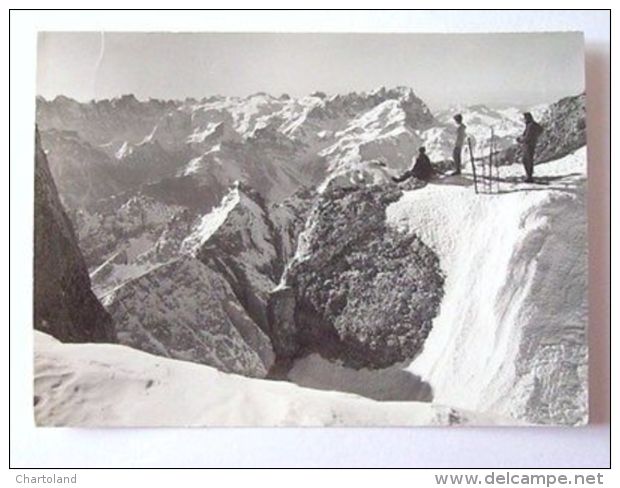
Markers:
(565, 128)
(288, 219)
(357, 291)
(186, 310)
(64, 305)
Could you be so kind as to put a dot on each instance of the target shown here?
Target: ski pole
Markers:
(491, 142)
(473, 164)
(496, 167)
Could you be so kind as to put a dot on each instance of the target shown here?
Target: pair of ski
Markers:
(488, 176)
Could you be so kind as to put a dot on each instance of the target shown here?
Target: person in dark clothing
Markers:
(528, 141)
(422, 169)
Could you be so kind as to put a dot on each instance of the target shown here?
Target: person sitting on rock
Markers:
(422, 169)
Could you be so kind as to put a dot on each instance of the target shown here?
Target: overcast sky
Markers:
(443, 69)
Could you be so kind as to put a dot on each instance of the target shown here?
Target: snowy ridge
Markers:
(210, 222)
(111, 385)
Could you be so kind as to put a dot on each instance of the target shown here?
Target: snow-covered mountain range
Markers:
(255, 234)
(275, 144)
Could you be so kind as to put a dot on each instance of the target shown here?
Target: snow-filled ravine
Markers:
(510, 336)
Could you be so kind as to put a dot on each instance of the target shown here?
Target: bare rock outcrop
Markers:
(356, 290)
(565, 128)
(186, 310)
(64, 304)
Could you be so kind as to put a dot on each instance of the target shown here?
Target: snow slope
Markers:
(112, 385)
(510, 337)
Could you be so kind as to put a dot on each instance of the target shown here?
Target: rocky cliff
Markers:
(64, 305)
(186, 310)
(564, 126)
(356, 291)
(194, 285)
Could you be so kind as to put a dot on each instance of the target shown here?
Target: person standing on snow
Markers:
(458, 143)
(528, 140)
(422, 169)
